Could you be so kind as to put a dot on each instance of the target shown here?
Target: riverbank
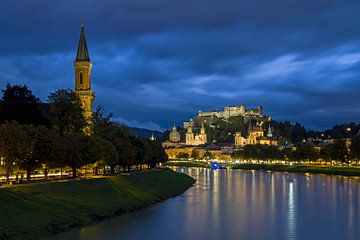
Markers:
(35, 210)
(187, 164)
(343, 171)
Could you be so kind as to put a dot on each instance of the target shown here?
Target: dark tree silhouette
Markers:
(19, 104)
(66, 112)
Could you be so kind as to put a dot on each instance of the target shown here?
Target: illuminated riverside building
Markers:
(191, 139)
(83, 65)
(174, 140)
(174, 135)
(256, 136)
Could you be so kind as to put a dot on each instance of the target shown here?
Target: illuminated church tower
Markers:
(82, 67)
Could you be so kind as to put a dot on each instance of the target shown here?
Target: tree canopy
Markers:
(19, 104)
(66, 112)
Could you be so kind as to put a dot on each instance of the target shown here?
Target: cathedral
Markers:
(196, 139)
(256, 136)
(191, 139)
(82, 65)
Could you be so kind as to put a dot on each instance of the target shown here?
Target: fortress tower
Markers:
(83, 67)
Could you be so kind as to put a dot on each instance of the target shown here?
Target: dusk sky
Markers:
(158, 62)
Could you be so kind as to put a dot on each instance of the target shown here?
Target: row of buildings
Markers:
(256, 135)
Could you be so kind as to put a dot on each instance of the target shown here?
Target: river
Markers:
(238, 204)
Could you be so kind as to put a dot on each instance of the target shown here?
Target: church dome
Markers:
(174, 136)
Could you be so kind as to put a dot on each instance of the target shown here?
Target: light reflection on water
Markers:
(237, 204)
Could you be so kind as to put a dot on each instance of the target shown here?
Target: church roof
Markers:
(174, 133)
(82, 52)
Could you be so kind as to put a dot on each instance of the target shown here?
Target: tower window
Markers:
(81, 78)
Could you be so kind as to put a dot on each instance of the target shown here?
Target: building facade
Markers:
(82, 66)
(226, 113)
(255, 136)
(233, 111)
(193, 139)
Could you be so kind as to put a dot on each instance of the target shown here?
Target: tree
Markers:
(48, 150)
(108, 154)
(142, 150)
(336, 151)
(183, 155)
(239, 154)
(158, 154)
(81, 150)
(126, 152)
(195, 154)
(102, 124)
(305, 151)
(208, 155)
(270, 153)
(286, 154)
(355, 148)
(66, 112)
(19, 104)
(15, 145)
(252, 152)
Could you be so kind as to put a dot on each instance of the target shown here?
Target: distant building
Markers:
(193, 139)
(256, 136)
(174, 140)
(227, 112)
(152, 138)
(174, 135)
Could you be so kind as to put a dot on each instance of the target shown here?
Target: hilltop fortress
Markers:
(229, 111)
(234, 111)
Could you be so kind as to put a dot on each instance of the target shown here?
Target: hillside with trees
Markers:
(223, 130)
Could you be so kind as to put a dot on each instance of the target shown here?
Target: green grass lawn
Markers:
(31, 211)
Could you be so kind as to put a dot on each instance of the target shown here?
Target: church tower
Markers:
(202, 135)
(82, 67)
(189, 137)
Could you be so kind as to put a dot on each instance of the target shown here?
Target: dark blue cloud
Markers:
(158, 62)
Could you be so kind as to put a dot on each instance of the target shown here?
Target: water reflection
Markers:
(291, 213)
(237, 204)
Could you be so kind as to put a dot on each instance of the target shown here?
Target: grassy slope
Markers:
(344, 171)
(35, 210)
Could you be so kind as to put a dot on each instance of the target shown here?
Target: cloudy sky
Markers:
(157, 62)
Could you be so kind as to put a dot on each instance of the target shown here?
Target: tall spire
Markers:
(82, 52)
(269, 133)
